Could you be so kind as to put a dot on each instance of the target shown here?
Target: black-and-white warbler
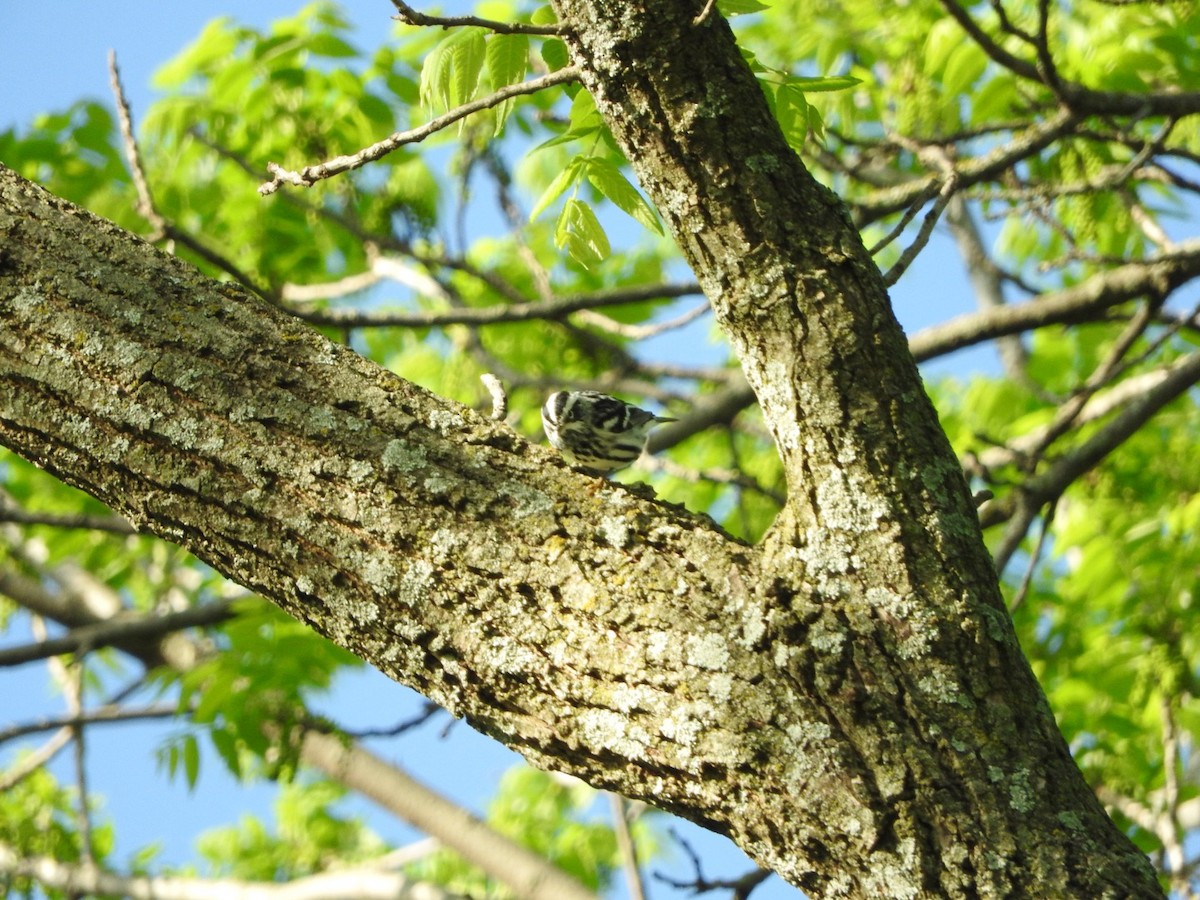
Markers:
(596, 431)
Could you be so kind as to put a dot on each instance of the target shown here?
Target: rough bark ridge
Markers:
(931, 749)
(848, 701)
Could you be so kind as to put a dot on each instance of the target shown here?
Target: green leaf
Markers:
(555, 189)
(451, 71)
(555, 55)
(964, 67)
(740, 7)
(583, 120)
(215, 45)
(580, 233)
(507, 59)
(792, 112)
(613, 184)
(326, 44)
(810, 84)
(191, 760)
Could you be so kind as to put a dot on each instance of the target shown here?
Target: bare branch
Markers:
(107, 713)
(1065, 470)
(492, 315)
(910, 252)
(1157, 276)
(367, 883)
(125, 627)
(495, 387)
(524, 871)
(20, 516)
(410, 16)
(310, 175)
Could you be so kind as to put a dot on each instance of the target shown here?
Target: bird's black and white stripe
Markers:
(596, 431)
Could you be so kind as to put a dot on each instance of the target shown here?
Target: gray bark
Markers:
(847, 701)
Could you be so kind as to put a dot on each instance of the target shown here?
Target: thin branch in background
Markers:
(19, 516)
(554, 308)
(1019, 451)
(429, 709)
(74, 678)
(119, 628)
(163, 228)
(910, 213)
(102, 714)
(704, 13)
(1169, 831)
(310, 175)
(518, 221)
(1073, 464)
(641, 332)
(987, 282)
(1104, 373)
(365, 882)
(410, 16)
(1034, 557)
(145, 205)
(910, 252)
(31, 762)
(629, 861)
(740, 887)
(70, 682)
(495, 387)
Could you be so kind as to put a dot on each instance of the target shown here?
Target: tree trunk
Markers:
(847, 701)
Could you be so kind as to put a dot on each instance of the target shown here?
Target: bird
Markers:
(595, 431)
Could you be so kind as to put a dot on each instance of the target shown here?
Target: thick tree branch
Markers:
(891, 559)
(584, 625)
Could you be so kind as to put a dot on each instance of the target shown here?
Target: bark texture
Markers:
(927, 749)
(847, 701)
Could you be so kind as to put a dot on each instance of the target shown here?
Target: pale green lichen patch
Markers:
(527, 501)
(807, 733)
(415, 583)
(402, 457)
(445, 421)
(683, 731)
(940, 684)
(360, 611)
(1020, 793)
(603, 729)
(615, 531)
(1072, 821)
(720, 687)
(708, 651)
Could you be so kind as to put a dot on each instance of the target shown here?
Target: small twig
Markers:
(117, 629)
(410, 16)
(555, 308)
(113, 524)
(163, 228)
(641, 332)
(107, 713)
(922, 238)
(629, 861)
(499, 399)
(705, 13)
(310, 175)
(1027, 580)
(145, 205)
